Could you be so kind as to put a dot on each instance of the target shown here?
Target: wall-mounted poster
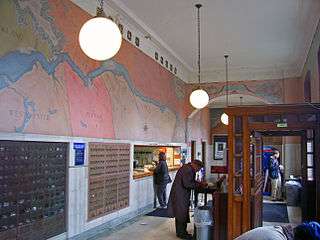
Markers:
(79, 153)
(220, 144)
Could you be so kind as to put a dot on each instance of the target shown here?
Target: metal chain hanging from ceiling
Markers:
(227, 80)
(198, 6)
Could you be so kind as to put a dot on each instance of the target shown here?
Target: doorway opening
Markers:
(282, 177)
(247, 127)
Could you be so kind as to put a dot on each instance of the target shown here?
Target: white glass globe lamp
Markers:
(199, 98)
(100, 38)
(224, 119)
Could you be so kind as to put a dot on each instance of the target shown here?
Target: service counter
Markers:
(149, 172)
(146, 158)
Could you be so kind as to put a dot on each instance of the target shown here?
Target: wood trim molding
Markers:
(230, 177)
(246, 213)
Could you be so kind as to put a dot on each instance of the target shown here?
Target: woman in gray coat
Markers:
(179, 200)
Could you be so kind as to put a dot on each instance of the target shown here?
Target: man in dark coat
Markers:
(179, 200)
(161, 179)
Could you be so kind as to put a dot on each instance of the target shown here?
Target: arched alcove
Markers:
(234, 100)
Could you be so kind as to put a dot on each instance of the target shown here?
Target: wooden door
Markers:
(203, 150)
(239, 176)
(193, 150)
(256, 175)
(244, 119)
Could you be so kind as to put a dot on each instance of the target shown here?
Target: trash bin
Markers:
(293, 192)
(203, 222)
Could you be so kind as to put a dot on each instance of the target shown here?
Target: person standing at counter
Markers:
(179, 200)
(161, 179)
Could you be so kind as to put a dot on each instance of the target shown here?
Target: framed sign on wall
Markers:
(219, 147)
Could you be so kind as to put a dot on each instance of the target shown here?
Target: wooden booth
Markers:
(247, 125)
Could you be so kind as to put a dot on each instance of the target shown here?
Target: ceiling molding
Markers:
(139, 24)
(247, 73)
(287, 45)
(149, 45)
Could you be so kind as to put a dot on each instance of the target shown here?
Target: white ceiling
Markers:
(262, 37)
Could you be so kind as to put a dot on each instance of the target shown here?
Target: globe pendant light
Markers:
(224, 117)
(100, 37)
(199, 98)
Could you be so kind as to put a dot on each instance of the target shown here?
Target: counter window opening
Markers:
(146, 157)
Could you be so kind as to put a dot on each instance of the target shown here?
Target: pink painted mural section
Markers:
(48, 86)
(269, 91)
(199, 128)
(90, 106)
(55, 89)
(272, 91)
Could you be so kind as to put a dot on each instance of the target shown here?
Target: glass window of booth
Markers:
(145, 158)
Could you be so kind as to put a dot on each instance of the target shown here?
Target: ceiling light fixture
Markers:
(224, 117)
(100, 37)
(199, 98)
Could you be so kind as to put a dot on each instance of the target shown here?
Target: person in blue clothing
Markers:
(273, 172)
(305, 231)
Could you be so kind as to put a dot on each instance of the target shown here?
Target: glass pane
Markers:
(238, 165)
(310, 174)
(310, 160)
(252, 162)
(309, 133)
(310, 146)
(238, 125)
(308, 118)
(238, 145)
(272, 118)
(238, 185)
(258, 165)
(255, 119)
(290, 118)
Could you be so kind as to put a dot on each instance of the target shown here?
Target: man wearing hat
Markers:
(179, 200)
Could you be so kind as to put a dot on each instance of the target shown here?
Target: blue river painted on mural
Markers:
(15, 64)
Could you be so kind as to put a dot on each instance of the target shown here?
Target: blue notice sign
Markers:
(79, 153)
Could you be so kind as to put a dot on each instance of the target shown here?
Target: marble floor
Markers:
(158, 228)
(144, 228)
(294, 214)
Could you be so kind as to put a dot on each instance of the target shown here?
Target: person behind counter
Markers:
(179, 200)
(161, 179)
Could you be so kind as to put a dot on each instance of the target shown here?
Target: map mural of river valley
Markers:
(48, 86)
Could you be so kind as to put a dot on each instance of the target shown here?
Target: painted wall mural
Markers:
(48, 86)
(269, 91)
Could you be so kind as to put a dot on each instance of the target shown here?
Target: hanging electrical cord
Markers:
(224, 117)
(199, 98)
(227, 80)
